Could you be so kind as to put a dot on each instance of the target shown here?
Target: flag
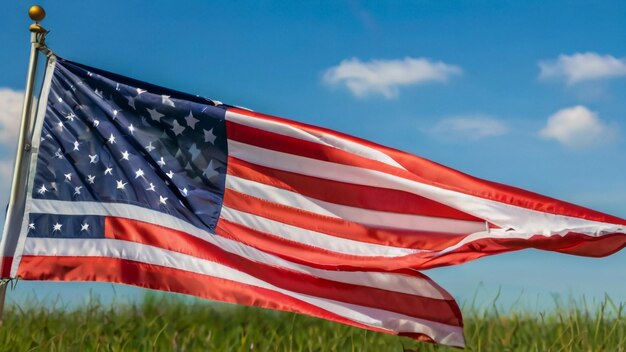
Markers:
(133, 183)
(139, 184)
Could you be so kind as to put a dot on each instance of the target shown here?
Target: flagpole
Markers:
(37, 41)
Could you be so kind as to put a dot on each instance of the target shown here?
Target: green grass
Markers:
(168, 323)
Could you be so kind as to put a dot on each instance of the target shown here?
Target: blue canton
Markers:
(108, 138)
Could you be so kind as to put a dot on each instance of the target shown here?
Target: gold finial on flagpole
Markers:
(37, 14)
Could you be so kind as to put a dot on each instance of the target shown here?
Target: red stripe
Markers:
(429, 172)
(306, 127)
(454, 180)
(162, 278)
(290, 145)
(308, 255)
(411, 305)
(353, 195)
(339, 227)
(576, 244)
(572, 243)
(5, 268)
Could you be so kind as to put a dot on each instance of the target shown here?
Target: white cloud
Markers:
(471, 128)
(578, 128)
(386, 76)
(581, 67)
(10, 109)
(6, 175)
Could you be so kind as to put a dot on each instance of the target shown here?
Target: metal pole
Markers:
(18, 185)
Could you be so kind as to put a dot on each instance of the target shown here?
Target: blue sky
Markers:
(524, 93)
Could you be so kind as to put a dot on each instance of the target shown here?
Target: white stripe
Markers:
(318, 137)
(504, 215)
(386, 281)
(358, 215)
(313, 238)
(442, 333)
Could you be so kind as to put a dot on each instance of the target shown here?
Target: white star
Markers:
(170, 174)
(96, 123)
(184, 191)
(150, 147)
(91, 179)
(84, 227)
(178, 129)
(58, 154)
(140, 91)
(56, 227)
(209, 136)
(131, 129)
(191, 121)
(93, 158)
(68, 177)
(165, 100)
(179, 154)
(131, 101)
(121, 185)
(31, 226)
(144, 121)
(162, 200)
(111, 139)
(161, 162)
(77, 190)
(155, 115)
(151, 188)
(109, 171)
(98, 92)
(210, 171)
(60, 125)
(115, 114)
(42, 189)
(125, 155)
(76, 145)
(194, 151)
(139, 173)
(70, 117)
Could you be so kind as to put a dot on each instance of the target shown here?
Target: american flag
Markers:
(134, 184)
(142, 185)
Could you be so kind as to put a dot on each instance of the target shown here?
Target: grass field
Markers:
(167, 323)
